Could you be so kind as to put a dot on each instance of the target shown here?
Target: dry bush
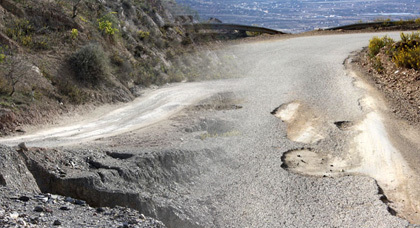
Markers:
(405, 53)
(376, 43)
(90, 64)
(408, 58)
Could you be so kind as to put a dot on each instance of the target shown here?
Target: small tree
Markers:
(13, 69)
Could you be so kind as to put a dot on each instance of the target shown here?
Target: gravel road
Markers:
(296, 149)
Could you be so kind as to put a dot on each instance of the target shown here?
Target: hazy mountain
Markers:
(296, 16)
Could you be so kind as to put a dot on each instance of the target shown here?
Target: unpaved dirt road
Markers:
(306, 146)
(154, 106)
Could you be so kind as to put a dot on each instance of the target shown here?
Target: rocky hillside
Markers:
(57, 54)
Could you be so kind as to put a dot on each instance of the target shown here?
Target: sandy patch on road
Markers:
(310, 162)
(302, 124)
(382, 148)
(374, 150)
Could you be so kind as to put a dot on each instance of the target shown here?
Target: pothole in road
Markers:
(212, 127)
(344, 125)
(215, 126)
(302, 124)
(219, 102)
(306, 161)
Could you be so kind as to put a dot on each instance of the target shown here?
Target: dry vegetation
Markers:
(394, 68)
(55, 54)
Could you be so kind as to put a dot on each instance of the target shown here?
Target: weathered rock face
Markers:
(23, 209)
(13, 171)
(146, 182)
(26, 172)
(138, 181)
(7, 118)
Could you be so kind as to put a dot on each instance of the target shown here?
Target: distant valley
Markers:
(297, 16)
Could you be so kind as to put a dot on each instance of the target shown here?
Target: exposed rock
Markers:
(22, 146)
(39, 209)
(14, 173)
(24, 198)
(103, 181)
(70, 200)
(159, 20)
(16, 214)
(80, 202)
(65, 208)
(7, 119)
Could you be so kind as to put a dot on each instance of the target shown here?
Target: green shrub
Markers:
(248, 33)
(385, 21)
(74, 33)
(21, 30)
(146, 75)
(376, 43)
(406, 53)
(75, 95)
(3, 51)
(41, 43)
(407, 38)
(179, 31)
(377, 65)
(408, 57)
(143, 35)
(401, 22)
(90, 64)
(107, 24)
(117, 59)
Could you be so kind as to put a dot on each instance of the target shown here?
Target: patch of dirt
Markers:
(307, 161)
(302, 124)
(401, 87)
(398, 94)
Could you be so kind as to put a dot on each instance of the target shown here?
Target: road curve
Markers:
(308, 137)
(152, 107)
